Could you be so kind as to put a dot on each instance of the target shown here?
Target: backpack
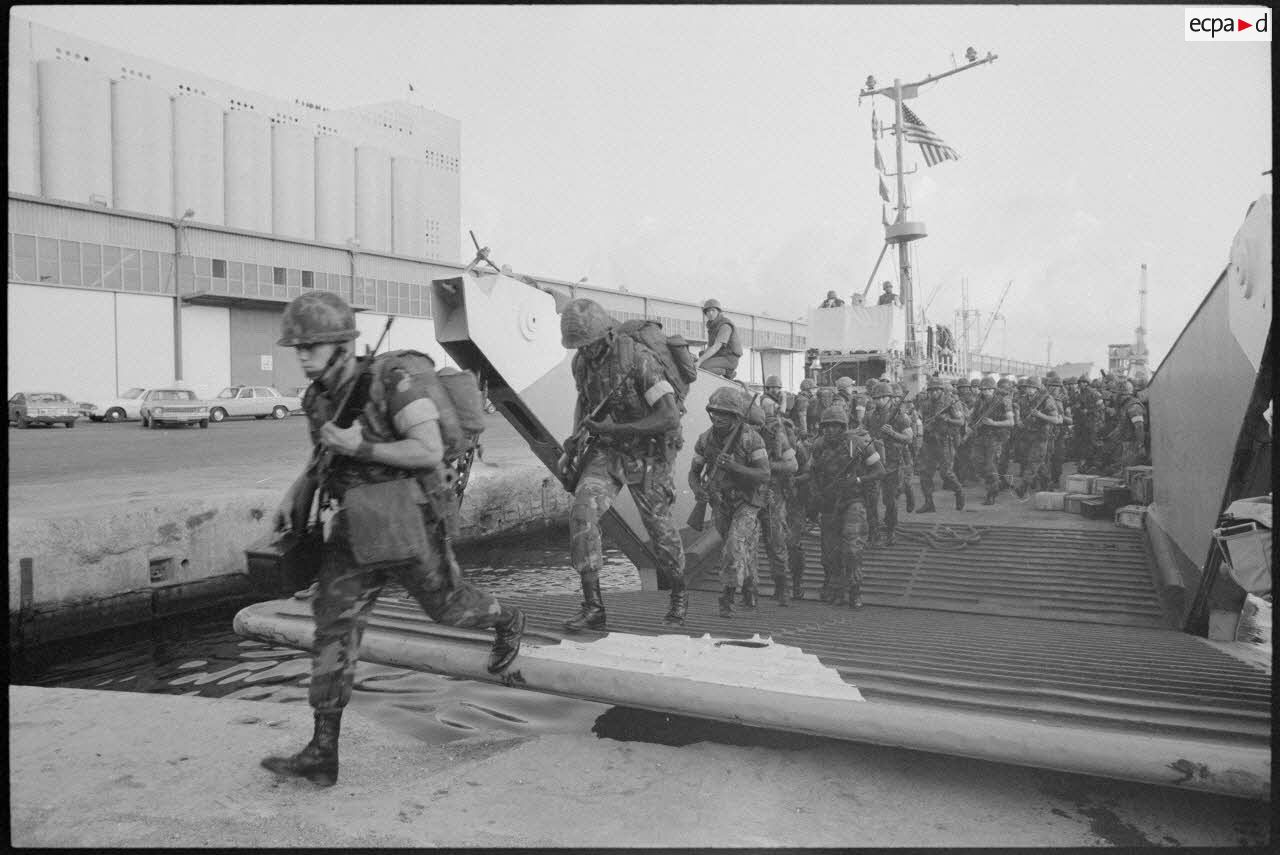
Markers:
(678, 364)
(455, 393)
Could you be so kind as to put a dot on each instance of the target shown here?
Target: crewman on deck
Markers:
(783, 466)
(735, 489)
(889, 426)
(388, 464)
(1041, 414)
(887, 297)
(942, 420)
(993, 419)
(723, 347)
(842, 460)
(637, 439)
(832, 302)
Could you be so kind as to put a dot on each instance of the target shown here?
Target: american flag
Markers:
(931, 145)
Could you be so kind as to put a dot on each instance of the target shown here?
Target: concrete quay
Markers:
(94, 554)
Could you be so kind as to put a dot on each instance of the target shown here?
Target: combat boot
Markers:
(318, 762)
(797, 574)
(959, 500)
(841, 598)
(927, 507)
(911, 498)
(506, 639)
(780, 590)
(749, 600)
(726, 602)
(679, 604)
(592, 614)
(891, 539)
(991, 496)
(1020, 490)
(855, 599)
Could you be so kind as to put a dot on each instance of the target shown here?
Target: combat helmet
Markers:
(1084, 379)
(1004, 384)
(987, 382)
(1034, 383)
(755, 413)
(843, 383)
(1052, 379)
(582, 322)
(881, 390)
(726, 399)
(712, 304)
(834, 415)
(807, 385)
(317, 317)
(964, 383)
(936, 383)
(773, 380)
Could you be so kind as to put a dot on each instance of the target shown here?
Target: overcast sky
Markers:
(720, 151)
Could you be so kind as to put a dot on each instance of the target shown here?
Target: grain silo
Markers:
(142, 147)
(293, 171)
(75, 132)
(373, 198)
(335, 189)
(247, 165)
(198, 159)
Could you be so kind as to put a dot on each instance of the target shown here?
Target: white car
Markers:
(256, 401)
(120, 408)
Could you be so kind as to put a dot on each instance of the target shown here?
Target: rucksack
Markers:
(455, 393)
(678, 363)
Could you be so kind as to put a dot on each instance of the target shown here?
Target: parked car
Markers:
(88, 410)
(42, 408)
(173, 406)
(256, 401)
(124, 406)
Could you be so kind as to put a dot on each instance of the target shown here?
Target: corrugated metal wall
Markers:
(34, 218)
(255, 357)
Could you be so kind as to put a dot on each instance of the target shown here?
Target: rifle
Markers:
(698, 516)
(1024, 426)
(348, 411)
(584, 443)
(984, 413)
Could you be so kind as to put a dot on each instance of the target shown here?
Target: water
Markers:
(199, 655)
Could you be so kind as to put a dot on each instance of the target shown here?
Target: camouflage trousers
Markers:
(888, 489)
(346, 594)
(1034, 462)
(797, 521)
(1057, 454)
(986, 449)
(774, 533)
(844, 537)
(938, 455)
(652, 491)
(739, 527)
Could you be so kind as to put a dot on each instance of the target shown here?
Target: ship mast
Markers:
(1138, 362)
(901, 231)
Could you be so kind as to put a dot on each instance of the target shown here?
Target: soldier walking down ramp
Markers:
(730, 469)
(774, 524)
(385, 475)
(942, 416)
(636, 435)
(994, 421)
(1041, 414)
(843, 460)
(891, 428)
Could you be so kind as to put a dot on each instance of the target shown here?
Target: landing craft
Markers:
(1037, 639)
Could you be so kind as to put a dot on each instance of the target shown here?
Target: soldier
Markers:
(1131, 428)
(799, 413)
(891, 427)
(796, 495)
(1061, 434)
(842, 460)
(848, 396)
(773, 516)
(993, 418)
(1042, 413)
(1005, 389)
(773, 389)
(942, 417)
(823, 398)
(1091, 423)
(735, 490)
(638, 437)
(388, 463)
(965, 397)
(913, 448)
(723, 348)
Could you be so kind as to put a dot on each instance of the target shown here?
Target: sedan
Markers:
(119, 408)
(173, 406)
(256, 401)
(42, 408)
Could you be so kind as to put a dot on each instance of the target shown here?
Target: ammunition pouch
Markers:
(384, 522)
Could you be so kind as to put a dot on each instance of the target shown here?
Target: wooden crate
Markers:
(1078, 483)
(1071, 502)
(1049, 501)
(1100, 484)
(1093, 508)
(1131, 516)
(1138, 480)
(1116, 497)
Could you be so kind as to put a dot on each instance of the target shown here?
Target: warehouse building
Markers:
(159, 220)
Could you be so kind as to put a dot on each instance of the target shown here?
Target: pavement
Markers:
(105, 769)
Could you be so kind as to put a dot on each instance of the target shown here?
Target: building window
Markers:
(92, 261)
(219, 268)
(308, 279)
(130, 270)
(47, 260)
(278, 275)
(110, 268)
(24, 258)
(69, 255)
(293, 277)
(150, 272)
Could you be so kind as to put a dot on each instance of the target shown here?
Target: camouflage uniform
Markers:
(1131, 431)
(939, 446)
(795, 492)
(774, 527)
(735, 504)
(843, 510)
(1009, 449)
(895, 455)
(347, 592)
(963, 464)
(642, 463)
(1034, 472)
(988, 441)
(799, 413)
